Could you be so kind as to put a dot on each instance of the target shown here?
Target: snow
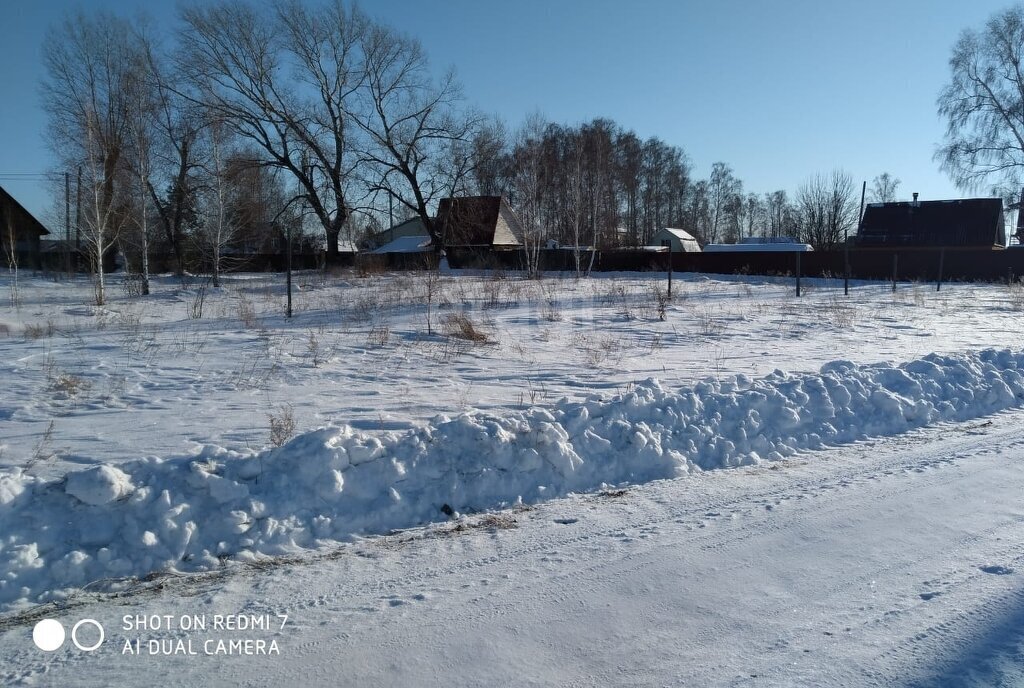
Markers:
(760, 247)
(184, 514)
(135, 449)
(98, 485)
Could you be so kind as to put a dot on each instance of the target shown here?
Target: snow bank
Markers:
(187, 513)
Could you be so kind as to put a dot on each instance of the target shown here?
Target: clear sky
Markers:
(779, 90)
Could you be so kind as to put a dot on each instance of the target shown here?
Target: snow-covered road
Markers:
(892, 562)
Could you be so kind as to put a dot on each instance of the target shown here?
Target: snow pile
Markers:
(187, 513)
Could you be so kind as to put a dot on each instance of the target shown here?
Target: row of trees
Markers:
(599, 184)
(256, 117)
(248, 115)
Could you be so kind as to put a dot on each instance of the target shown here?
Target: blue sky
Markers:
(779, 90)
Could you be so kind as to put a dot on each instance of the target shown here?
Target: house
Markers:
(478, 222)
(23, 228)
(677, 240)
(412, 227)
(761, 245)
(406, 244)
(964, 223)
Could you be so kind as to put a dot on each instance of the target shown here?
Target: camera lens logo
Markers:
(49, 635)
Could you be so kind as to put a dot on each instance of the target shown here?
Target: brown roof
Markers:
(478, 221)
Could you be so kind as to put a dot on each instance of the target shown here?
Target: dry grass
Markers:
(69, 384)
(378, 336)
(497, 521)
(460, 326)
(1015, 296)
(38, 331)
(247, 314)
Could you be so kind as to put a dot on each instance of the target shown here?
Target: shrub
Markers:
(282, 425)
(460, 326)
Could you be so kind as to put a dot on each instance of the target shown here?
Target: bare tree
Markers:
(697, 214)
(416, 145)
(780, 218)
(827, 208)
(883, 188)
(219, 223)
(722, 188)
(88, 100)
(103, 214)
(754, 215)
(575, 198)
(628, 167)
(173, 124)
(531, 174)
(282, 79)
(490, 158)
(983, 104)
(9, 242)
(140, 135)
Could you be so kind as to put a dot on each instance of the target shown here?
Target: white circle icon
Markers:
(74, 635)
(48, 635)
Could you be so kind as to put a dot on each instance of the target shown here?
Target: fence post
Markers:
(942, 257)
(895, 264)
(798, 273)
(846, 270)
(670, 247)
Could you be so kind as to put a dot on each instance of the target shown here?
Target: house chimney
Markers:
(915, 197)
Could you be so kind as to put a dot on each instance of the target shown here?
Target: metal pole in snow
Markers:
(289, 312)
(67, 222)
(798, 273)
(670, 247)
(942, 259)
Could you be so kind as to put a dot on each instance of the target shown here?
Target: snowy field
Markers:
(486, 479)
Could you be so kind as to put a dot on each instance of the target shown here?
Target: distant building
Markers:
(676, 240)
(965, 223)
(478, 222)
(761, 245)
(412, 227)
(23, 227)
(406, 244)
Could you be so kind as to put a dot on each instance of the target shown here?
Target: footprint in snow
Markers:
(996, 569)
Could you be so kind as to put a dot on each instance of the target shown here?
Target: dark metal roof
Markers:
(22, 217)
(966, 222)
(477, 221)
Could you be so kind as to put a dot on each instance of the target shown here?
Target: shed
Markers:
(412, 227)
(677, 240)
(405, 244)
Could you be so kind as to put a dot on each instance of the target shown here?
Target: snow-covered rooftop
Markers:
(406, 244)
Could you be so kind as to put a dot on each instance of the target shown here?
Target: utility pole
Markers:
(67, 222)
(78, 214)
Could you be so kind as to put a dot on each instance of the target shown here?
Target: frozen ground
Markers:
(885, 563)
(142, 377)
(136, 440)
